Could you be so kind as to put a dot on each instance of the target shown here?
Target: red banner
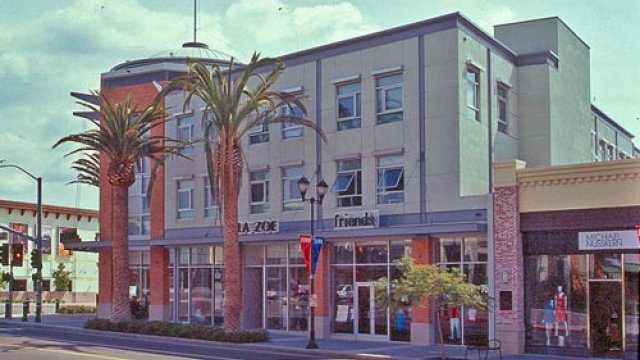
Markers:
(305, 247)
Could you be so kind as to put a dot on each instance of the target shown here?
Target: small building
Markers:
(567, 258)
(60, 225)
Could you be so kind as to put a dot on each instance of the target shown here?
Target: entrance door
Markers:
(372, 315)
(605, 308)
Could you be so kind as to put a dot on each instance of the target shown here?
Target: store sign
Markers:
(360, 219)
(259, 227)
(608, 240)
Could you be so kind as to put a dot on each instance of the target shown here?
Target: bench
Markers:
(484, 350)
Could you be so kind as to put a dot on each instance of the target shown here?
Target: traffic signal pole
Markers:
(39, 252)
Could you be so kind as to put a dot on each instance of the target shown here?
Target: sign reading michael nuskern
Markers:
(608, 240)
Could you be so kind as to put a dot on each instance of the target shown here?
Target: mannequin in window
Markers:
(560, 311)
(548, 320)
(454, 323)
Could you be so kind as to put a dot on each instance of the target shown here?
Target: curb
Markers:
(163, 339)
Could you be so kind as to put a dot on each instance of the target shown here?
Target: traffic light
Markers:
(36, 259)
(4, 254)
(18, 254)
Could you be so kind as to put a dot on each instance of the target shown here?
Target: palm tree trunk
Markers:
(120, 252)
(232, 248)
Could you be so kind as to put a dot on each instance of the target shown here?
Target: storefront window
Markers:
(631, 307)
(371, 253)
(460, 324)
(342, 253)
(342, 285)
(605, 266)
(201, 295)
(556, 301)
(299, 295)
(276, 298)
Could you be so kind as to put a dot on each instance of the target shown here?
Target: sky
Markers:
(49, 48)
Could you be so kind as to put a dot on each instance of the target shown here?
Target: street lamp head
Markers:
(303, 186)
(322, 189)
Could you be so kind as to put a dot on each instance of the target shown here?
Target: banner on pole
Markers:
(316, 248)
(305, 247)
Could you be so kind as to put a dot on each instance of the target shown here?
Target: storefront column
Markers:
(422, 328)
(104, 284)
(323, 292)
(509, 260)
(159, 283)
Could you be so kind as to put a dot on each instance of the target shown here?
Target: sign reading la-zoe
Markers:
(259, 227)
(608, 240)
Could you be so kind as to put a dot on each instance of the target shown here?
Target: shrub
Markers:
(190, 331)
(77, 309)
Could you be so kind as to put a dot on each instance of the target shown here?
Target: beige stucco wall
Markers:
(584, 186)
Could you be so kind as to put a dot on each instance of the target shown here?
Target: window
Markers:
(139, 213)
(290, 194)
(348, 183)
(390, 179)
(611, 150)
(503, 124)
(473, 94)
(603, 150)
(211, 204)
(185, 199)
(259, 134)
(185, 133)
(349, 106)
(594, 145)
(259, 191)
(290, 129)
(389, 98)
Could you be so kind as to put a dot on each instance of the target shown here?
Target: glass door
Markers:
(605, 309)
(372, 321)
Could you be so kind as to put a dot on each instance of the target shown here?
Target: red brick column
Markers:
(323, 292)
(421, 315)
(509, 269)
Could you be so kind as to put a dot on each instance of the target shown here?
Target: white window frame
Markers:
(294, 202)
(381, 98)
(354, 121)
(259, 134)
(187, 150)
(473, 102)
(502, 95)
(291, 130)
(211, 206)
(259, 206)
(185, 213)
(389, 193)
(352, 199)
(138, 193)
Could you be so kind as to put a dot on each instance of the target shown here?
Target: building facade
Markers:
(415, 117)
(567, 258)
(60, 226)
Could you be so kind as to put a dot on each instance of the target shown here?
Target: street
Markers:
(29, 342)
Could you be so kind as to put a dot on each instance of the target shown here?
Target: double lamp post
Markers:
(38, 279)
(321, 190)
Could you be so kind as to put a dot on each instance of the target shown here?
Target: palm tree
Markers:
(123, 139)
(235, 102)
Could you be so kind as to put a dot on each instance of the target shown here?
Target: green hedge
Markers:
(190, 331)
(77, 309)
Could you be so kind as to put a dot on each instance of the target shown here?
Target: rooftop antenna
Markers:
(195, 20)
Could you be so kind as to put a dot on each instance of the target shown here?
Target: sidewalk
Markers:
(327, 347)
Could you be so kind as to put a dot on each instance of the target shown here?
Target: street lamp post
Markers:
(321, 190)
(38, 282)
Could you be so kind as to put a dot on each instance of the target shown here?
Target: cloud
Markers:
(274, 28)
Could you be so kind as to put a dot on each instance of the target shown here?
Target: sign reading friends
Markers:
(359, 219)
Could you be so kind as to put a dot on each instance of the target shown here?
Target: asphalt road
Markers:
(41, 343)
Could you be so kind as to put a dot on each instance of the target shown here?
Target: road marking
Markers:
(97, 356)
(119, 347)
